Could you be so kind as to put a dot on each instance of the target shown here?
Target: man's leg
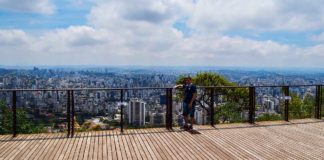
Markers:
(186, 120)
(185, 114)
(192, 117)
(192, 120)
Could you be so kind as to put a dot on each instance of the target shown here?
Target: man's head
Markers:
(188, 80)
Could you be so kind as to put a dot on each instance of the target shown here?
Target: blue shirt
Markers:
(189, 90)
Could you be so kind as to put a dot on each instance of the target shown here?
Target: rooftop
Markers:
(297, 139)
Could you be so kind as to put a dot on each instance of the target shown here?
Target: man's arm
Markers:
(178, 86)
(194, 96)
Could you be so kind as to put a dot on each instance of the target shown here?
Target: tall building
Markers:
(136, 112)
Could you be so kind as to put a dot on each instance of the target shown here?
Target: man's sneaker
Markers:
(190, 128)
(186, 127)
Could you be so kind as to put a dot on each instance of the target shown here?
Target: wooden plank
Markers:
(95, 145)
(59, 153)
(265, 137)
(104, 145)
(299, 139)
(208, 149)
(143, 141)
(129, 153)
(65, 149)
(122, 148)
(72, 147)
(19, 147)
(214, 148)
(50, 142)
(196, 144)
(39, 147)
(9, 143)
(155, 149)
(252, 147)
(160, 146)
(108, 145)
(118, 147)
(181, 151)
(88, 148)
(100, 146)
(134, 148)
(187, 148)
(113, 146)
(4, 140)
(167, 144)
(86, 151)
(53, 151)
(13, 145)
(81, 140)
(141, 149)
(32, 144)
(129, 148)
(216, 136)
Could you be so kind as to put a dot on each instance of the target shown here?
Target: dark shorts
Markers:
(187, 111)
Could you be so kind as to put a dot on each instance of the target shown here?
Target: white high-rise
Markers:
(136, 112)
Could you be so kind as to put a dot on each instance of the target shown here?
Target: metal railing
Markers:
(70, 108)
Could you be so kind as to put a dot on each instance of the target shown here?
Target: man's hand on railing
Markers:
(177, 86)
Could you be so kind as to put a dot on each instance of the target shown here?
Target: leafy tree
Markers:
(299, 108)
(236, 98)
(269, 117)
(295, 106)
(309, 106)
(322, 99)
(24, 125)
(228, 113)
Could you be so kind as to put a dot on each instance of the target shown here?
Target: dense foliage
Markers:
(233, 103)
(24, 125)
(236, 98)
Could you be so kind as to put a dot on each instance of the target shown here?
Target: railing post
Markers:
(167, 109)
(252, 105)
(68, 118)
(168, 114)
(122, 111)
(321, 102)
(73, 113)
(286, 91)
(211, 106)
(14, 113)
(318, 102)
(170, 108)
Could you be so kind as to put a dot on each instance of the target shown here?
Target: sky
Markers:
(249, 33)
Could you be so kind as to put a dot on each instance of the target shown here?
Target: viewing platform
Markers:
(296, 139)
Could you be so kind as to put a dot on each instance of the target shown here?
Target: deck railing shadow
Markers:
(143, 131)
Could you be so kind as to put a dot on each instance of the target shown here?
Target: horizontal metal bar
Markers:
(151, 88)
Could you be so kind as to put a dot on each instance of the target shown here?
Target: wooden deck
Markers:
(299, 139)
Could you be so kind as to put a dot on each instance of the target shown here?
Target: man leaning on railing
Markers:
(189, 102)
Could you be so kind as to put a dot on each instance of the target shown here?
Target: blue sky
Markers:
(274, 33)
(66, 14)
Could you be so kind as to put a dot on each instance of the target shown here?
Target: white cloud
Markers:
(12, 37)
(141, 32)
(260, 15)
(87, 45)
(33, 6)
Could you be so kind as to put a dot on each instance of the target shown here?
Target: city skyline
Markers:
(163, 32)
